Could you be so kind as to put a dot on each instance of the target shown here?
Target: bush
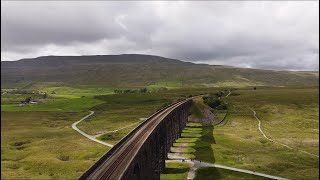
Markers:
(211, 101)
(214, 102)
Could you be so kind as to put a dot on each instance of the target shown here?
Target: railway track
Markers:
(115, 163)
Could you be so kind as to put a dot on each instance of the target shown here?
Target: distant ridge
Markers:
(143, 70)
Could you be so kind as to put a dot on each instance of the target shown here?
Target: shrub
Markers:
(213, 101)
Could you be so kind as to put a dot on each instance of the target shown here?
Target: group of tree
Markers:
(213, 100)
(126, 91)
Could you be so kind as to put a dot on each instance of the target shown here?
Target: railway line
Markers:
(115, 163)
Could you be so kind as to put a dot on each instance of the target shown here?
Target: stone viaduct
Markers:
(142, 153)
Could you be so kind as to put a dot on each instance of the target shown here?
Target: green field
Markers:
(290, 116)
(175, 171)
(42, 145)
(209, 173)
(57, 105)
(38, 141)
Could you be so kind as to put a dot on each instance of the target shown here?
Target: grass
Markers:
(209, 173)
(36, 139)
(290, 116)
(39, 143)
(62, 105)
(165, 84)
(175, 171)
(42, 145)
(120, 110)
(195, 109)
(138, 70)
(79, 91)
(17, 98)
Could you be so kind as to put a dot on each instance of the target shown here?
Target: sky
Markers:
(252, 34)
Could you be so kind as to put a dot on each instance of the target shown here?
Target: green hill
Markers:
(142, 70)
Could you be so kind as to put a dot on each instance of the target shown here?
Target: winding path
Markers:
(264, 135)
(74, 126)
(228, 94)
(197, 164)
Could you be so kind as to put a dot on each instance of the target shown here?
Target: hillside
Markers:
(142, 70)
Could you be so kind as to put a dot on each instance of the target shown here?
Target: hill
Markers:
(142, 70)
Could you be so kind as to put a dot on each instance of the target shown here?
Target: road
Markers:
(74, 126)
(264, 135)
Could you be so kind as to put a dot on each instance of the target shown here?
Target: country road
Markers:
(74, 126)
(264, 135)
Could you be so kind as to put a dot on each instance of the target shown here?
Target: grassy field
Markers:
(195, 143)
(57, 105)
(209, 173)
(175, 171)
(36, 140)
(290, 116)
(42, 145)
(121, 110)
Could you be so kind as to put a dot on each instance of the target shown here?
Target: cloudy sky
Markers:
(266, 35)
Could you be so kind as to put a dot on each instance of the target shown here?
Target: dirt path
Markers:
(228, 94)
(197, 164)
(74, 126)
(264, 135)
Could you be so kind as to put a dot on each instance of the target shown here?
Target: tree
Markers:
(45, 95)
(213, 103)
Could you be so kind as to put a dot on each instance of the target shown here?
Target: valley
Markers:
(261, 126)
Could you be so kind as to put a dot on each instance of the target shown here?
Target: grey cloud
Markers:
(268, 35)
